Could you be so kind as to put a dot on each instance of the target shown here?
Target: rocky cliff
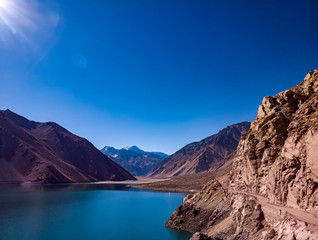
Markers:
(207, 154)
(272, 191)
(46, 152)
(278, 158)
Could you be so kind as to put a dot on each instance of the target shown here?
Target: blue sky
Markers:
(156, 74)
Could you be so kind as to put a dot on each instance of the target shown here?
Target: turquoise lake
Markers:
(86, 211)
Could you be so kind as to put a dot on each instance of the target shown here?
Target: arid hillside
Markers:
(210, 153)
(47, 153)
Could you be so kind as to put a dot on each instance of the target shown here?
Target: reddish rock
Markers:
(46, 152)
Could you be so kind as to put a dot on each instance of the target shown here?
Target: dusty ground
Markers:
(140, 180)
(192, 183)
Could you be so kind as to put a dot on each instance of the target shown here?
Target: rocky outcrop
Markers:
(274, 179)
(135, 160)
(209, 154)
(47, 153)
(200, 211)
(278, 157)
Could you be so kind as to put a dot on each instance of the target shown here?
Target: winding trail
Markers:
(296, 213)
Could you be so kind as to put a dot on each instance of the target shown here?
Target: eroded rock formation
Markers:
(272, 191)
(278, 157)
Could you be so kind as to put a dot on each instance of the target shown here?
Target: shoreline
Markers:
(138, 181)
(187, 184)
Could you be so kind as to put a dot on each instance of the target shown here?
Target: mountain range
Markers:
(48, 153)
(208, 154)
(135, 160)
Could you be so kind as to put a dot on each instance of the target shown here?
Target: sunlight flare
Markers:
(4, 4)
(6, 13)
(28, 21)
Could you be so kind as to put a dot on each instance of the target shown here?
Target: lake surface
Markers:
(86, 211)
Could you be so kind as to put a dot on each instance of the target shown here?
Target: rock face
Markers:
(208, 154)
(278, 157)
(272, 191)
(201, 210)
(45, 152)
(135, 160)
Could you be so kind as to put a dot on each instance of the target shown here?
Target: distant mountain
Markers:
(135, 149)
(208, 154)
(46, 152)
(135, 160)
(138, 150)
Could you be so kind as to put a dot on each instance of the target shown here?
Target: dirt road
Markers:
(296, 213)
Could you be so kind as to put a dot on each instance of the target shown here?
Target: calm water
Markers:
(86, 211)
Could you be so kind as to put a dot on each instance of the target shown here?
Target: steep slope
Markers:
(278, 158)
(135, 160)
(273, 190)
(208, 154)
(46, 152)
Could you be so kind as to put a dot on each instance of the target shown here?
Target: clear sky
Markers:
(153, 73)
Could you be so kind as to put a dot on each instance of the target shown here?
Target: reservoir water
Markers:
(86, 211)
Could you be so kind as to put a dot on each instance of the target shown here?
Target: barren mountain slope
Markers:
(209, 154)
(45, 152)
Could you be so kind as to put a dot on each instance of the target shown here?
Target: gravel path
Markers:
(296, 213)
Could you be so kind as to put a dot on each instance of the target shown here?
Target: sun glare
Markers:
(4, 4)
(28, 26)
(7, 11)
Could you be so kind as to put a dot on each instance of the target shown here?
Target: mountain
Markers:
(138, 150)
(208, 154)
(135, 149)
(272, 192)
(47, 153)
(135, 160)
